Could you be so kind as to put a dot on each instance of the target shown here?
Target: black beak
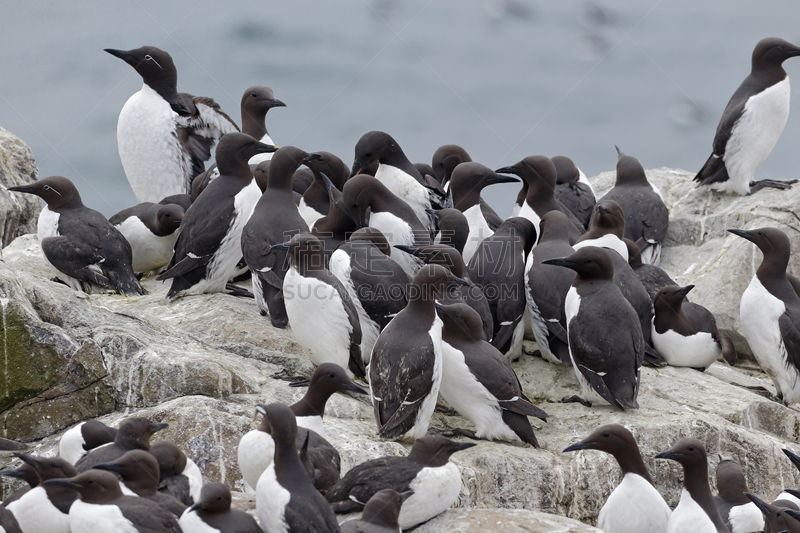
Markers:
(12, 473)
(794, 514)
(579, 446)
(761, 504)
(262, 148)
(282, 246)
(122, 54)
(685, 290)
(491, 180)
(27, 459)
(619, 152)
(275, 103)
(329, 187)
(63, 482)
(792, 457)
(158, 427)
(22, 188)
(311, 157)
(352, 387)
(463, 446)
(741, 233)
(407, 494)
(603, 210)
(508, 170)
(669, 454)
(111, 467)
(408, 249)
(356, 170)
(198, 507)
(562, 262)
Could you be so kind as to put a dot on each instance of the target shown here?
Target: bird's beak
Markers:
(508, 170)
(685, 290)
(122, 54)
(582, 445)
(741, 233)
(275, 103)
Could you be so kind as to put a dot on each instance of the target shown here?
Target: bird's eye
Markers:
(691, 448)
(47, 188)
(148, 58)
(331, 375)
(253, 95)
(588, 261)
(606, 434)
(219, 498)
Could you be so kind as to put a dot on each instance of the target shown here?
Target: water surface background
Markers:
(503, 79)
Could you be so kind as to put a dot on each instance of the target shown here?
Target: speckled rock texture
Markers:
(18, 212)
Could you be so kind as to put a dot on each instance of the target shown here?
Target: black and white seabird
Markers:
(498, 268)
(86, 249)
(274, 219)
(179, 476)
(371, 203)
(427, 471)
(605, 339)
(286, 500)
(334, 228)
(405, 368)
(380, 513)
(133, 434)
(256, 447)
(470, 294)
(377, 298)
(651, 276)
(9, 524)
(256, 102)
(466, 184)
(752, 122)
(140, 475)
(445, 159)
(26, 473)
(788, 493)
(213, 514)
(45, 507)
(770, 313)
(646, 215)
(685, 333)
(323, 317)
(165, 137)
(696, 511)
(478, 381)
(635, 505)
(315, 203)
(452, 228)
(539, 175)
(573, 189)
(738, 512)
(208, 248)
(183, 200)
(151, 230)
(396, 173)
(86, 436)
(607, 229)
(780, 515)
(103, 507)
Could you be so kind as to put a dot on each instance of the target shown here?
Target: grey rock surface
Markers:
(18, 212)
(203, 362)
(509, 521)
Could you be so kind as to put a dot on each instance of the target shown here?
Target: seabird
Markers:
(179, 476)
(452, 228)
(445, 159)
(316, 203)
(212, 513)
(256, 102)
(133, 434)
(84, 437)
(738, 512)
(573, 189)
(45, 507)
(151, 230)
(380, 513)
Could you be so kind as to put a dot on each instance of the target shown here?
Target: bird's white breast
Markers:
(689, 517)
(255, 452)
(478, 230)
(435, 491)
(397, 231)
(309, 214)
(408, 189)
(318, 319)
(70, 447)
(35, 512)
(192, 473)
(525, 211)
(696, 351)
(151, 153)
(92, 518)
(271, 502)
(341, 268)
(609, 241)
(190, 521)
(746, 518)
(150, 252)
(314, 423)
(754, 135)
(258, 158)
(634, 506)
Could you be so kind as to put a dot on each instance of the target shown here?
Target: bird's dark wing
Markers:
(76, 259)
(363, 481)
(156, 519)
(790, 333)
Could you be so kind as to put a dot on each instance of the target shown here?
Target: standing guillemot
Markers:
(777, 516)
(607, 229)
(151, 230)
(452, 228)
(213, 514)
(396, 173)
(546, 288)
(498, 268)
(646, 215)
(466, 184)
(334, 228)
(445, 159)
(257, 447)
(179, 476)
(737, 511)
(139, 475)
(208, 246)
(470, 294)
(371, 203)
(26, 473)
(256, 102)
(323, 318)
(45, 507)
(274, 220)
(651, 276)
(84, 437)
(685, 333)
(380, 513)
(316, 202)
(427, 471)
(696, 511)
(752, 122)
(405, 368)
(165, 137)
(573, 190)
(605, 340)
(84, 247)
(770, 313)
(478, 381)
(102, 507)
(377, 298)
(286, 500)
(539, 175)
(635, 505)
(133, 434)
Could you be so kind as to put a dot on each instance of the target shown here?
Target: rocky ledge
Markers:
(202, 363)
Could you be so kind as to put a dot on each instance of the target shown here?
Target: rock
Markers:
(502, 521)
(18, 212)
(699, 250)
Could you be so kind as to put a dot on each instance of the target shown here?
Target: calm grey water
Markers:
(504, 79)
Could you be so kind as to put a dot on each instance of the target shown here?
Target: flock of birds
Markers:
(400, 275)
